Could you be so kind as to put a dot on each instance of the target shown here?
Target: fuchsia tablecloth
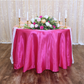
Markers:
(42, 49)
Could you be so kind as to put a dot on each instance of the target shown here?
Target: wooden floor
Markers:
(73, 75)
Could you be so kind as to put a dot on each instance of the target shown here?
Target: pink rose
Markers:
(41, 27)
(49, 21)
(34, 23)
(50, 25)
(54, 26)
(40, 16)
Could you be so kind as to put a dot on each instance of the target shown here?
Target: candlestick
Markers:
(19, 23)
(27, 22)
(19, 13)
(59, 22)
(65, 23)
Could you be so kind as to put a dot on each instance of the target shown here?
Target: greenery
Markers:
(43, 23)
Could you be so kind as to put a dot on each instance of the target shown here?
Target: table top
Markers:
(36, 30)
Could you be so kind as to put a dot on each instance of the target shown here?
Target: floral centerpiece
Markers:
(43, 23)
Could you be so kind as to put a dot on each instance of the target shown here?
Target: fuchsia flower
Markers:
(54, 26)
(41, 27)
(34, 23)
(40, 16)
(49, 21)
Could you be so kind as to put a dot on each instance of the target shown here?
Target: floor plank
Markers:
(72, 75)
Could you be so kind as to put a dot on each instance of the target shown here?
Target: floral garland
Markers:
(43, 23)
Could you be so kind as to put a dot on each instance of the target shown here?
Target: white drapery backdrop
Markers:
(9, 15)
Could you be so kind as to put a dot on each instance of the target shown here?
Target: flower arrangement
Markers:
(42, 23)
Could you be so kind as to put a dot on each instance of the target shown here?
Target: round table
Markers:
(41, 49)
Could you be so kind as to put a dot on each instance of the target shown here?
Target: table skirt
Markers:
(42, 49)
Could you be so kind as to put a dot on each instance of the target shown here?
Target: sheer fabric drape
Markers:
(9, 15)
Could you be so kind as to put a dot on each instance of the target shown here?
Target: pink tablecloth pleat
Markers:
(42, 49)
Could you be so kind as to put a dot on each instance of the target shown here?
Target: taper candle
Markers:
(19, 13)
(65, 13)
(27, 16)
(59, 16)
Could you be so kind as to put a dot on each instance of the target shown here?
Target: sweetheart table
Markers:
(41, 49)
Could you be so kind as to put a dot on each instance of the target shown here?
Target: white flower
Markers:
(46, 16)
(55, 19)
(38, 19)
(32, 20)
(47, 23)
(58, 25)
(32, 26)
(36, 25)
(50, 25)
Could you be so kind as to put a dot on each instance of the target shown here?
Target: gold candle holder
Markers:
(19, 23)
(27, 22)
(59, 22)
(65, 23)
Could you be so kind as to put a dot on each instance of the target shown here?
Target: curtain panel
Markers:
(9, 12)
